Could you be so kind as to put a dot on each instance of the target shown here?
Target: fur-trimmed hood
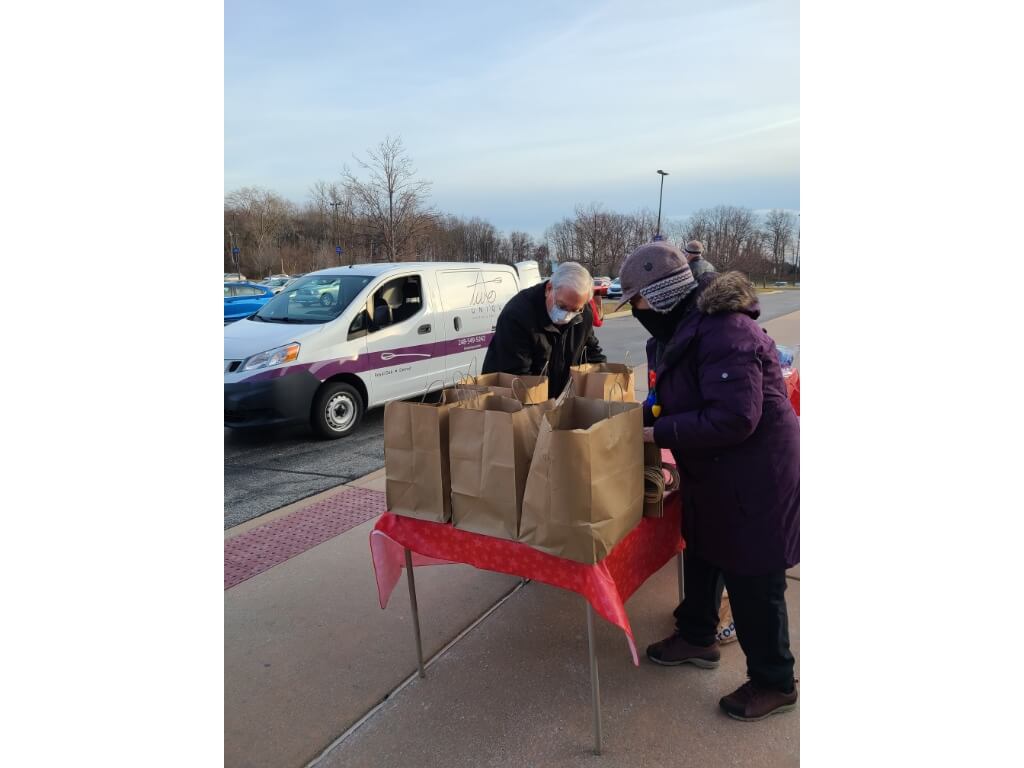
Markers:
(730, 292)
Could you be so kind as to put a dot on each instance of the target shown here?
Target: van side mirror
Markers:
(360, 326)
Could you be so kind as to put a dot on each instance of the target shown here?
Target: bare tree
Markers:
(730, 235)
(261, 215)
(386, 219)
(796, 258)
(521, 246)
(542, 255)
(779, 228)
(561, 238)
(391, 200)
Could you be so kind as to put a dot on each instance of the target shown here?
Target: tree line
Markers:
(379, 211)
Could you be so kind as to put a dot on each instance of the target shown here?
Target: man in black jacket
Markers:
(546, 329)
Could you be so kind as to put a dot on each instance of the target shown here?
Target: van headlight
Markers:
(272, 357)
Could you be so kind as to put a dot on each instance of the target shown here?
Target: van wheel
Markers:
(337, 410)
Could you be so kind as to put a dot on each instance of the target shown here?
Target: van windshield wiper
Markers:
(288, 320)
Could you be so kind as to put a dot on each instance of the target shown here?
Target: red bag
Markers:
(793, 389)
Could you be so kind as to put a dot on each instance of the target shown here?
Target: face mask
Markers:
(561, 316)
(660, 326)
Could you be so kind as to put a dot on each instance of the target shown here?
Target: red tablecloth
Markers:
(606, 585)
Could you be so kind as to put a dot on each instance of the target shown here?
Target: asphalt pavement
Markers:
(267, 469)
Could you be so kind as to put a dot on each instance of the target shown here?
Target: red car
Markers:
(601, 285)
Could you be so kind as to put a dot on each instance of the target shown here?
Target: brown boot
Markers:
(673, 651)
(752, 702)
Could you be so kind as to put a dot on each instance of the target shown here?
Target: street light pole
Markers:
(234, 251)
(334, 229)
(663, 174)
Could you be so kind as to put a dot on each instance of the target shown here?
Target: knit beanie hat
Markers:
(659, 272)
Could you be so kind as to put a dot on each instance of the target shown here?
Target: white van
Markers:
(342, 340)
(529, 274)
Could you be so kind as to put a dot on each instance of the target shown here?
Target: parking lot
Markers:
(269, 468)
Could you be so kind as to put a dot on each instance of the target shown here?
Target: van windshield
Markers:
(312, 300)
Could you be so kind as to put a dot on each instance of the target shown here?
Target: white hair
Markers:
(572, 275)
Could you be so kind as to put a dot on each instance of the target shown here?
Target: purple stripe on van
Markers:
(384, 358)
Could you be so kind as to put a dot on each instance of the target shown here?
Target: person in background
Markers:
(694, 251)
(547, 328)
(720, 405)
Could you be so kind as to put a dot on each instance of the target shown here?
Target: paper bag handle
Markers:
(571, 384)
(426, 390)
(526, 392)
(622, 396)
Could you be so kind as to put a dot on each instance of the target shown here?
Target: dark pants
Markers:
(758, 608)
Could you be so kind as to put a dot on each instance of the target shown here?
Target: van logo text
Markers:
(482, 292)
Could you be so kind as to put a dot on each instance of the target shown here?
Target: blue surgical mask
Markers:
(561, 316)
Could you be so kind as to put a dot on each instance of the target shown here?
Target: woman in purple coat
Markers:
(719, 403)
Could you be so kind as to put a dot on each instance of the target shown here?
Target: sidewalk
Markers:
(309, 652)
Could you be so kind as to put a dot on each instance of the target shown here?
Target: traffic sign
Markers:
(337, 250)
(235, 250)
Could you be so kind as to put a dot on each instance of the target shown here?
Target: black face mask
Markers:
(660, 326)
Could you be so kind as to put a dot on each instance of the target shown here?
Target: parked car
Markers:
(275, 284)
(234, 277)
(601, 285)
(615, 289)
(780, 284)
(321, 290)
(242, 299)
(391, 332)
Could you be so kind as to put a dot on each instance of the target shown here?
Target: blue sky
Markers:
(517, 112)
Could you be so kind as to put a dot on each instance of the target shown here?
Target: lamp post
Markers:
(334, 228)
(234, 251)
(663, 174)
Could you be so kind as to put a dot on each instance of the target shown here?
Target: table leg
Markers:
(595, 685)
(415, 610)
(682, 589)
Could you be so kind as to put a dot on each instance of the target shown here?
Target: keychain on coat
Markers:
(652, 395)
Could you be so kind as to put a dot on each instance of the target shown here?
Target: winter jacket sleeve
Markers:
(511, 348)
(730, 379)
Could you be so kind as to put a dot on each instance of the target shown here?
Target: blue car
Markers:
(242, 299)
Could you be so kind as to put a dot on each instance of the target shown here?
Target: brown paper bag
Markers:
(604, 381)
(491, 445)
(417, 479)
(530, 389)
(652, 461)
(585, 490)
